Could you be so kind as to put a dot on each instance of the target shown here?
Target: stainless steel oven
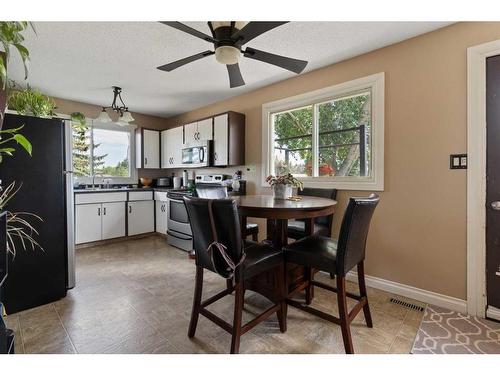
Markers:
(179, 230)
(197, 155)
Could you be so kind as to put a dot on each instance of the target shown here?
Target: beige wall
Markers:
(418, 232)
(92, 111)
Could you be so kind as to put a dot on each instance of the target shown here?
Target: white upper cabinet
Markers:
(205, 129)
(171, 147)
(191, 132)
(198, 131)
(148, 148)
(221, 140)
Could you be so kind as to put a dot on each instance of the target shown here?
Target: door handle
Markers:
(129, 209)
(495, 205)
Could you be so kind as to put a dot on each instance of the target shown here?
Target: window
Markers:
(331, 137)
(104, 151)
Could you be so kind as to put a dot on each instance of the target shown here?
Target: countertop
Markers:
(111, 190)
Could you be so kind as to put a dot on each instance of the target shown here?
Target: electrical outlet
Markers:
(458, 161)
(251, 168)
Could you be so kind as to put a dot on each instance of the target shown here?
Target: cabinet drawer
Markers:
(86, 198)
(161, 196)
(140, 196)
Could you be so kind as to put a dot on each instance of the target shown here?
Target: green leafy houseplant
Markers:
(11, 36)
(13, 135)
(282, 185)
(18, 223)
(30, 101)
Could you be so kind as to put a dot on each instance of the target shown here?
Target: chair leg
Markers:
(344, 315)
(309, 289)
(362, 292)
(255, 236)
(195, 313)
(332, 276)
(281, 294)
(238, 312)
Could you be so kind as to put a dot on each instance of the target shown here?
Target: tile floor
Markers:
(135, 297)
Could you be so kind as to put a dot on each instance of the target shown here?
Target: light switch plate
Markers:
(458, 161)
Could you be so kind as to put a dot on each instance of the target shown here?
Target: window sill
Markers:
(324, 183)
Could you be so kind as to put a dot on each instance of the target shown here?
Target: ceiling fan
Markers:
(228, 37)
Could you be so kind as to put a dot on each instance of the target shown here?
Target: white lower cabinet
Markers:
(140, 217)
(99, 221)
(161, 216)
(88, 223)
(113, 220)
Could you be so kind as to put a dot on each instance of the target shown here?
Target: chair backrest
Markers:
(322, 193)
(227, 227)
(211, 192)
(354, 231)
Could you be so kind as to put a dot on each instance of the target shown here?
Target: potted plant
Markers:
(283, 185)
(30, 102)
(11, 37)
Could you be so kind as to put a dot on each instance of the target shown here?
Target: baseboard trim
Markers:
(493, 313)
(422, 295)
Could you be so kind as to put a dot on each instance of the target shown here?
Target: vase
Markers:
(281, 191)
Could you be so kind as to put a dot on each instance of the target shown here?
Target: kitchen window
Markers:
(333, 137)
(103, 151)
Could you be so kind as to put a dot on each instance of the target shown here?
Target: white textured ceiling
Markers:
(82, 60)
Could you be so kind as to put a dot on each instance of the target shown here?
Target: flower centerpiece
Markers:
(283, 185)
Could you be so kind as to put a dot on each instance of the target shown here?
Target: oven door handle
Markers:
(170, 233)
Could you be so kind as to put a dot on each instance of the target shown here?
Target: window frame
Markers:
(93, 124)
(375, 83)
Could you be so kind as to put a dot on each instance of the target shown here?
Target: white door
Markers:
(161, 217)
(87, 222)
(205, 129)
(140, 217)
(176, 135)
(165, 156)
(151, 146)
(221, 138)
(113, 220)
(191, 132)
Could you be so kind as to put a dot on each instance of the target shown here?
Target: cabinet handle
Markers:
(104, 210)
(215, 156)
(98, 211)
(129, 209)
(145, 161)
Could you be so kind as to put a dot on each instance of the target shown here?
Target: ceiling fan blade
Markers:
(176, 64)
(235, 78)
(253, 29)
(293, 65)
(180, 26)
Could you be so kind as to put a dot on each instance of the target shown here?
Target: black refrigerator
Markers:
(39, 276)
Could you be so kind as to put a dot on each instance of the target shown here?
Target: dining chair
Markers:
(220, 192)
(217, 221)
(322, 225)
(337, 257)
(296, 229)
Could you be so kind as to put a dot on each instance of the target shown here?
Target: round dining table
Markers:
(278, 212)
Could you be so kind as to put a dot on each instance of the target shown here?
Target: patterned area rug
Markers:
(443, 331)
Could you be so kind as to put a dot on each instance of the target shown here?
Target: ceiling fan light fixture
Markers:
(227, 55)
(237, 24)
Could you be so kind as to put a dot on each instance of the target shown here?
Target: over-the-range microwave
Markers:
(195, 155)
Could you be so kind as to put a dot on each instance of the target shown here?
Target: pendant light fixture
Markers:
(122, 110)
